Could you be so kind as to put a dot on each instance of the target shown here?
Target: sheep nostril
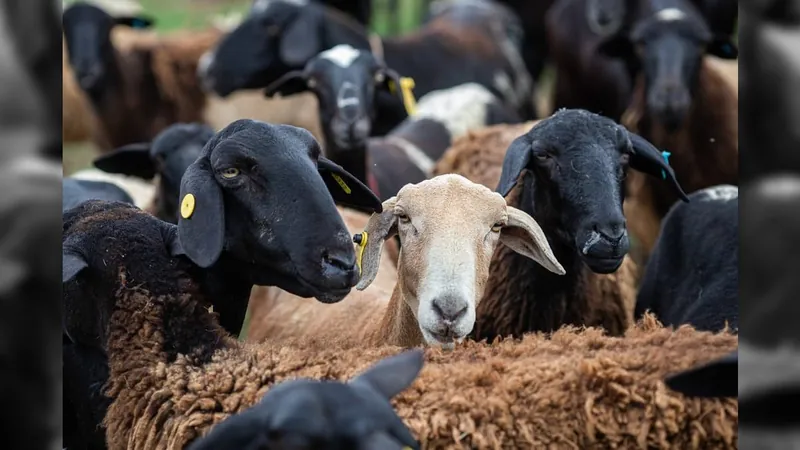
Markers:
(338, 261)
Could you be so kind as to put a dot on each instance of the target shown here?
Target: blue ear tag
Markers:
(666, 156)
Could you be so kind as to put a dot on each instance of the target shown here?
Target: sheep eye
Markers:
(402, 217)
(230, 172)
(543, 156)
(624, 158)
(379, 77)
(497, 227)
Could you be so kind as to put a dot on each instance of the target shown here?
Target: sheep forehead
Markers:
(261, 5)
(451, 198)
(780, 187)
(342, 55)
(669, 15)
(722, 193)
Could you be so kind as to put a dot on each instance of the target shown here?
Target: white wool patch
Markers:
(260, 6)
(780, 186)
(142, 192)
(342, 55)
(670, 15)
(459, 109)
(722, 193)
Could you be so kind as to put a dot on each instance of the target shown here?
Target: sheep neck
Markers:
(353, 160)
(399, 325)
(521, 296)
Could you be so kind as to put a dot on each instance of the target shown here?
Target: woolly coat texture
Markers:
(578, 389)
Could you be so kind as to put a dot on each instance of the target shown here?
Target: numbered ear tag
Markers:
(361, 240)
(187, 206)
(341, 183)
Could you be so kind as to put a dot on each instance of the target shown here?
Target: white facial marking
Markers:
(260, 6)
(780, 186)
(342, 55)
(670, 15)
(347, 95)
(459, 109)
(593, 238)
(721, 193)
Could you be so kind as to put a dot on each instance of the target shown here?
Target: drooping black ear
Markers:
(301, 40)
(390, 376)
(646, 158)
(722, 47)
(71, 265)
(138, 22)
(392, 77)
(131, 159)
(291, 83)
(517, 158)
(719, 378)
(617, 45)
(201, 223)
(347, 189)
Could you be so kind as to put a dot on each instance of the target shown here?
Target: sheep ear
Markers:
(523, 235)
(391, 76)
(347, 189)
(517, 158)
(722, 47)
(392, 375)
(718, 378)
(201, 224)
(71, 266)
(291, 83)
(131, 159)
(301, 40)
(138, 22)
(381, 226)
(646, 158)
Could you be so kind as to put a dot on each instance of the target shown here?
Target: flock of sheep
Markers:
(268, 167)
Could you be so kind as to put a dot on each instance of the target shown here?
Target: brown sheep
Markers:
(704, 150)
(569, 205)
(443, 266)
(574, 389)
(154, 84)
(77, 116)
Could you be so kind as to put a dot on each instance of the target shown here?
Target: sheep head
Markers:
(571, 166)
(345, 81)
(264, 195)
(668, 46)
(169, 155)
(449, 228)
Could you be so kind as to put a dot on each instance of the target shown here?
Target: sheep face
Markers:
(575, 163)
(168, 156)
(449, 228)
(668, 46)
(256, 192)
(345, 81)
(87, 32)
(277, 36)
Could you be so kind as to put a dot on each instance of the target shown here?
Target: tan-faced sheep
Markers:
(448, 228)
(136, 83)
(566, 172)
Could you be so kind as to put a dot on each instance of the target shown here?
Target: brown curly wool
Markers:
(606, 301)
(577, 389)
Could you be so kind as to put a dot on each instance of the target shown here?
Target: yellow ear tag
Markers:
(187, 206)
(341, 182)
(406, 86)
(362, 244)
